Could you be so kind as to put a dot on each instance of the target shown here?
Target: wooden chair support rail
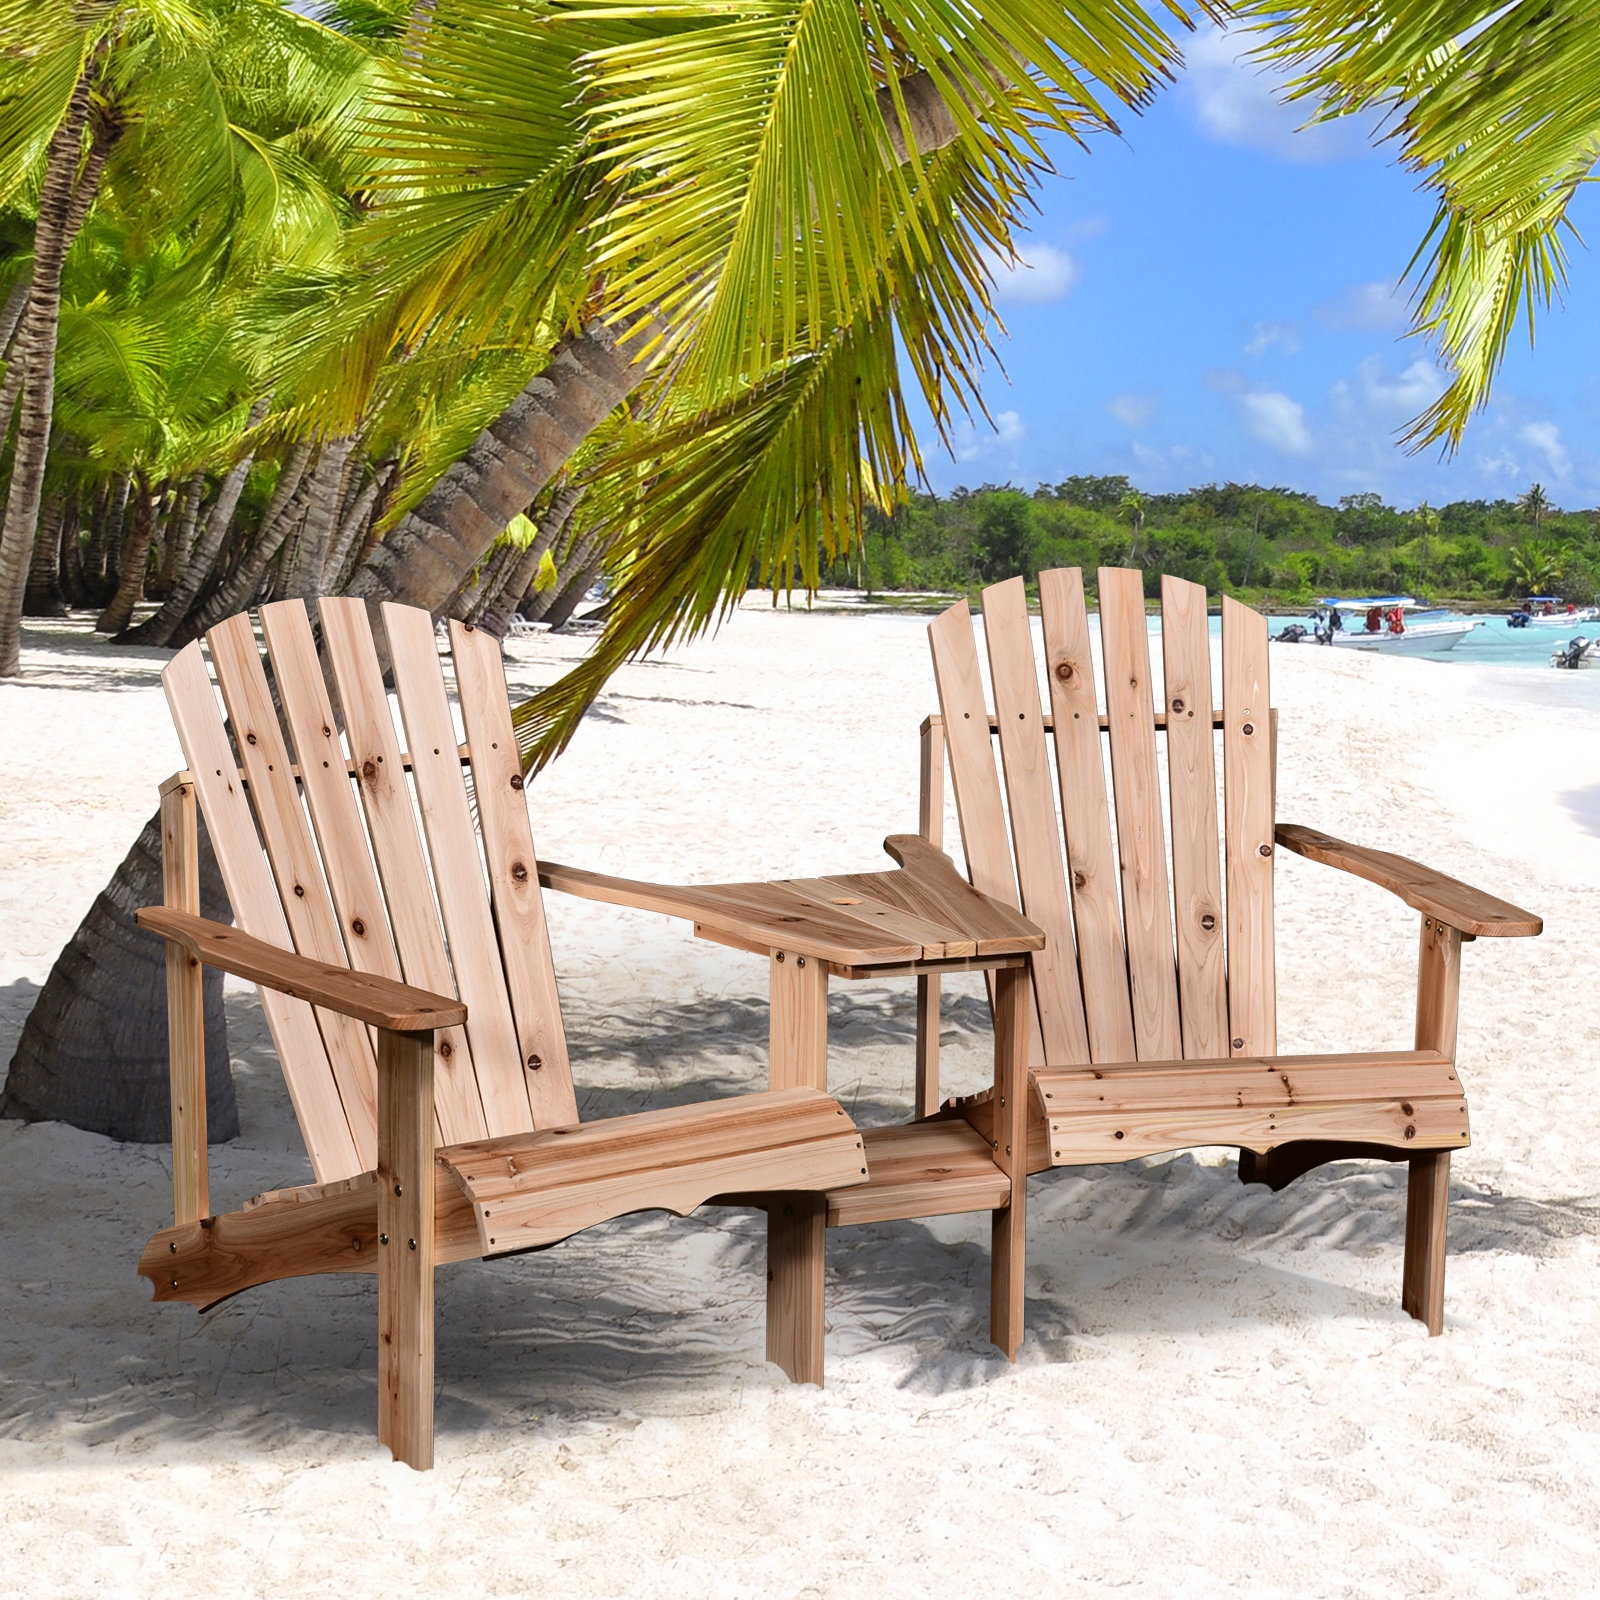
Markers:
(935, 720)
(1473, 912)
(185, 776)
(382, 1002)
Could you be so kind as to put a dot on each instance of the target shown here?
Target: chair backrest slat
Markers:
(258, 910)
(330, 794)
(1192, 789)
(397, 847)
(1035, 833)
(513, 876)
(458, 875)
(292, 854)
(1141, 836)
(1248, 806)
(1080, 771)
(972, 770)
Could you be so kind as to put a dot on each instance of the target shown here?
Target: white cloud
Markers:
(1133, 410)
(1378, 306)
(1042, 274)
(1237, 102)
(1277, 420)
(1268, 335)
(1545, 437)
(971, 444)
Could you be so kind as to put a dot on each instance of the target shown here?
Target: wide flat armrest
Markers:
(1456, 904)
(362, 995)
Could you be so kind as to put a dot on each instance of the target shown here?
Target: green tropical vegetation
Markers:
(1274, 547)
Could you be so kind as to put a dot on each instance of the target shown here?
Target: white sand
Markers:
(1219, 1394)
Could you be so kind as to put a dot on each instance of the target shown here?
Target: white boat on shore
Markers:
(1395, 624)
(1577, 653)
(1550, 611)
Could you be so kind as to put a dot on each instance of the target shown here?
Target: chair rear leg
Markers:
(1427, 1193)
(405, 1246)
(1013, 995)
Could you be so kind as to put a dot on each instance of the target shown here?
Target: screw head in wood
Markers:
(1248, 728)
(249, 738)
(397, 1189)
(1264, 850)
(777, 955)
(1238, 1044)
(1411, 1130)
(383, 1238)
(516, 780)
(799, 961)
(412, 1243)
(172, 1246)
(1177, 705)
(358, 928)
(1118, 1133)
(174, 1283)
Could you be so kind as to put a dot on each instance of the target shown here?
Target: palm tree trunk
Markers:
(130, 586)
(495, 615)
(38, 342)
(199, 561)
(356, 521)
(11, 312)
(72, 559)
(303, 580)
(106, 537)
(430, 551)
(93, 1051)
(42, 598)
(11, 387)
(588, 555)
(180, 532)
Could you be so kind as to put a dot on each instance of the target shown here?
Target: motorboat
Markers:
(1550, 611)
(1396, 624)
(1578, 651)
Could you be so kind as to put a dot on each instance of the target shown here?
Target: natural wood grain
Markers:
(186, 1022)
(1141, 837)
(458, 876)
(929, 883)
(973, 774)
(533, 1189)
(1009, 1223)
(923, 1169)
(508, 850)
(405, 1246)
(1432, 893)
(1247, 800)
(1192, 792)
(939, 941)
(1035, 832)
(379, 1001)
(257, 911)
(296, 867)
(397, 848)
(930, 825)
(1080, 771)
(330, 795)
(798, 1058)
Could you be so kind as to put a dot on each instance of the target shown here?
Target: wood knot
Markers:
(299, 891)
(535, 1063)
(369, 771)
(1405, 1107)
(1208, 922)
(327, 732)
(1248, 729)
(1064, 670)
(249, 738)
(516, 780)
(519, 872)
(446, 1049)
(358, 928)
(1177, 705)
(1078, 880)
(1411, 1130)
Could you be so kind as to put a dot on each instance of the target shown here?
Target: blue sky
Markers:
(1213, 297)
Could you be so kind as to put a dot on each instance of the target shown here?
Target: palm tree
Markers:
(1534, 504)
(1535, 567)
(1132, 507)
(1493, 103)
(1427, 521)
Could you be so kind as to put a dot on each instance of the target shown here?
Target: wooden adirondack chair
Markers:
(453, 1132)
(1153, 1025)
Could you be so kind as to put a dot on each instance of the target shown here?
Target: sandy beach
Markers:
(1218, 1393)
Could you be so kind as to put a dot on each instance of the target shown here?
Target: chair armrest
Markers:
(362, 995)
(1456, 904)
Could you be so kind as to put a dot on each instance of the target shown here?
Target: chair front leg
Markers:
(1013, 993)
(186, 1016)
(1428, 1186)
(405, 1245)
(797, 1221)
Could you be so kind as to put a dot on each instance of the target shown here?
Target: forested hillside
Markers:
(1270, 546)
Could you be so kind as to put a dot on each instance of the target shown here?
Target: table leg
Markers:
(1009, 1225)
(796, 1222)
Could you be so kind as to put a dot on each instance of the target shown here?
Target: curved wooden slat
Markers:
(313, 922)
(1080, 771)
(1035, 831)
(1192, 795)
(458, 877)
(1247, 803)
(397, 848)
(513, 877)
(1141, 838)
(258, 911)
